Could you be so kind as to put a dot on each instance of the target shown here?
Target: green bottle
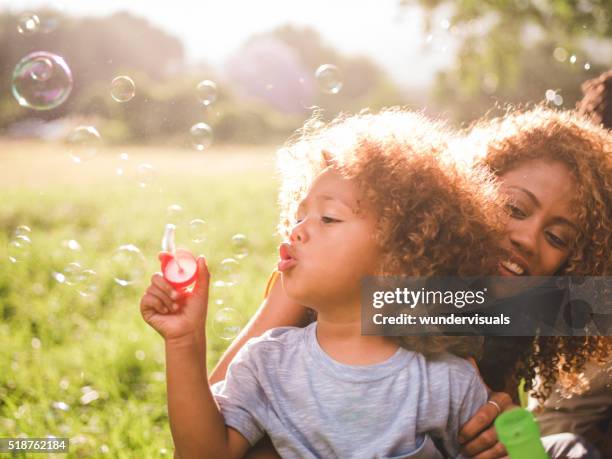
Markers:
(519, 432)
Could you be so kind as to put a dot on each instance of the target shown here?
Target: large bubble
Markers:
(128, 265)
(41, 81)
(207, 92)
(83, 143)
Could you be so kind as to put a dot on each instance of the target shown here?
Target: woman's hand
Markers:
(173, 314)
(477, 437)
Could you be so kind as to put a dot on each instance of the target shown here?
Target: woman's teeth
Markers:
(513, 267)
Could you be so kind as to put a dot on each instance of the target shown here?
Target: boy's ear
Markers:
(327, 158)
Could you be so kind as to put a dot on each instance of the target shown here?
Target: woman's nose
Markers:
(524, 236)
(299, 232)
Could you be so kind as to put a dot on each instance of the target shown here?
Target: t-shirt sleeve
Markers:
(474, 397)
(240, 397)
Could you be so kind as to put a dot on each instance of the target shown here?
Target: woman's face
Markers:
(541, 224)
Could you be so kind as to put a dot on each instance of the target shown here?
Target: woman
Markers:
(557, 168)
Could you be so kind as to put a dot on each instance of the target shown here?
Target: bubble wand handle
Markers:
(168, 242)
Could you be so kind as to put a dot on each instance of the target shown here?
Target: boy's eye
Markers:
(329, 220)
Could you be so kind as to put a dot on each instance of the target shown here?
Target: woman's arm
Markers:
(276, 310)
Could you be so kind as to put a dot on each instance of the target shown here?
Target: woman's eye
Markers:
(329, 220)
(515, 211)
(556, 240)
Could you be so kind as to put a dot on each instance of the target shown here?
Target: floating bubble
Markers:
(201, 136)
(227, 323)
(329, 78)
(560, 54)
(558, 100)
(22, 230)
(72, 244)
(572, 59)
(83, 143)
(88, 285)
(550, 94)
(197, 230)
(123, 89)
(229, 271)
(128, 265)
(19, 248)
(207, 92)
(123, 157)
(73, 274)
(587, 66)
(28, 24)
(145, 175)
(174, 213)
(41, 81)
(62, 406)
(240, 246)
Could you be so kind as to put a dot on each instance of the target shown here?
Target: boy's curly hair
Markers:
(435, 216)
(586, 149)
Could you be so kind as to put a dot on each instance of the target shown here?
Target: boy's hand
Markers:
(173, 314)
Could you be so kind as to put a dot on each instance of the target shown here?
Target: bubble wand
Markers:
(179, 267)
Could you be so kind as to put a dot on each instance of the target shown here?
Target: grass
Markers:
(59, 348)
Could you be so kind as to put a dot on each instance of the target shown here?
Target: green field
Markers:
(88, 367)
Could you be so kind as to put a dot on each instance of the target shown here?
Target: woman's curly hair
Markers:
(586, 149)
(435, 215)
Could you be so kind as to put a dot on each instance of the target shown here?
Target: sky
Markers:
(212, 31)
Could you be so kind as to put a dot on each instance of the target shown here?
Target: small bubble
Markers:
(207, 92)
(123, 89)
(62, 406)
(197, 230)
(550, 95)
(227, 323)
(229, 271)
(72, 244)
(19, 248)
(560, 54)
(89, 283)
(36, 343)
(83, 143)
(201, 136)
(28, 24)
(558, 100)
(572, 59)
(145, 175)
(174, 213)
(73, 273)
(22, 230)
(104, 449)
(587, 66)
(240, 246)
(329, 78)
(128, 265)
(140, 355)
(89, 396)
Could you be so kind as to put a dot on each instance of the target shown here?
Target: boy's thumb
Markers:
(203, 280)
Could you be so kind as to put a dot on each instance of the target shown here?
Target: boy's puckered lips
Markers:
(287, 258)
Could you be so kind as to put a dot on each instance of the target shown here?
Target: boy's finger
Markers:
(158, 280)
(150, 301)
(163, 297)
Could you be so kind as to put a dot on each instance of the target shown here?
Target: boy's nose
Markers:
(299, 233)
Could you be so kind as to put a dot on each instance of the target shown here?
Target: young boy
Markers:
(366, 195)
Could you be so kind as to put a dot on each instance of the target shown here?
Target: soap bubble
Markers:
(229, 271)
(227, 323)
(573, 59)
(123, 89)
(560, 54)
(123, 157)
(28, 24)
(207, 92)
(240, 246)
(145, 174)
(19, 248)
(84, 142)
(174, 213)
(329, 78)
(197, 230)
(587, 66)
(88, 285)
(73, 274)
(22, 230)
(550, 95)
(41, 81)
(128, 265)
(201, 136)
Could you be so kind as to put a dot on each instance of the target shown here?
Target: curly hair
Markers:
(586, 149)
(435, 215)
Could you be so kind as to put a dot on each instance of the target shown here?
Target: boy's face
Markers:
(332, 247)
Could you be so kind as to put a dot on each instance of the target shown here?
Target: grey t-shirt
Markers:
(283, 384)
